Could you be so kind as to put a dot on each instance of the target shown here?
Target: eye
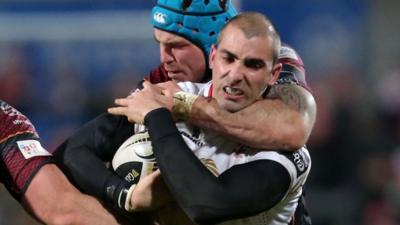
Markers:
(178, 45)
(254, 64)
(228, 58)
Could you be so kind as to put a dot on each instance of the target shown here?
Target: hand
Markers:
(169, 88)
(151, 193)
(137, 105)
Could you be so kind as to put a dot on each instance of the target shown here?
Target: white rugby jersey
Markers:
(219, 154)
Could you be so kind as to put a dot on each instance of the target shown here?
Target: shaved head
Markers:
(254, 24)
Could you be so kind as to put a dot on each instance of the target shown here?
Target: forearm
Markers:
(90, 174)
(283, 121)
(53, 200)
(82, 156)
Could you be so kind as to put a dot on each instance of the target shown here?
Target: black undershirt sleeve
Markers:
(82, 156)
(241, 191)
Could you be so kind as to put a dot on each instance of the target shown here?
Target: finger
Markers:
(156, 173)
(133, 92)
(122, 101)
(117, 111)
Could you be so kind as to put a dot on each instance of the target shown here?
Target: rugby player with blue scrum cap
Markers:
(190, 28)
(185, 31)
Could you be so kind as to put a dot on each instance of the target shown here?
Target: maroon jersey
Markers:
(21, 152)
(158, 75)
(292, 69)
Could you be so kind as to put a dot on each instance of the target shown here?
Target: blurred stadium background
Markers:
(62, 62)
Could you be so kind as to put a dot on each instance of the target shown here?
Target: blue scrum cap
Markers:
(199, 21)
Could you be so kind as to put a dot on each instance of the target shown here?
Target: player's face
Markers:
(241, 69)
(183, 60)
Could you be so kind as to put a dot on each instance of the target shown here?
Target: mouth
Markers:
(171, 69)
(233, 91)
(173, 72)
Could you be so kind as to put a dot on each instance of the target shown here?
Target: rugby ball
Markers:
(134, 159)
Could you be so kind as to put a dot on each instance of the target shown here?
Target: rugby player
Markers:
(28, 172)
(186, 30)
(213, 179)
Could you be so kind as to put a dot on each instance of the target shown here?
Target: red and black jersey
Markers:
(21, 152)
(292, 72)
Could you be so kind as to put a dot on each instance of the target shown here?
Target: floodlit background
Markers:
(63, 62)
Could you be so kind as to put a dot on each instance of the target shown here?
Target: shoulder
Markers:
(18, 133)
(288, 54)
(293, 71)
(13, 122)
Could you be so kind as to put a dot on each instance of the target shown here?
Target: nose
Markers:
(236, 74)
(166, 55)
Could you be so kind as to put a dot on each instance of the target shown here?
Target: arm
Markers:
(282, 121)
(217, 198)
(53, 200)
(28, 173)
(82, 156)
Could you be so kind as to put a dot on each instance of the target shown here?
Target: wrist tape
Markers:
(124, 198)
(183, 103)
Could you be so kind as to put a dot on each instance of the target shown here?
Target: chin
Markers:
(232, 107)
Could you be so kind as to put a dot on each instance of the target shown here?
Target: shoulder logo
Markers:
(32, 148)
(160, 18)
(299, 162)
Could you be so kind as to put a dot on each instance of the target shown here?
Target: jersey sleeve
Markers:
(293, 71)
(82, 156)
(207, 199)
(22, 154)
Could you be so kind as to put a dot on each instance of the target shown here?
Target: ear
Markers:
(276, 70)
(212, 55)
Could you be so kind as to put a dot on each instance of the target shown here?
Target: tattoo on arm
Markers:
(291, 94)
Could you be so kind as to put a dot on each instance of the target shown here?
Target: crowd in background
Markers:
(355, 144)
